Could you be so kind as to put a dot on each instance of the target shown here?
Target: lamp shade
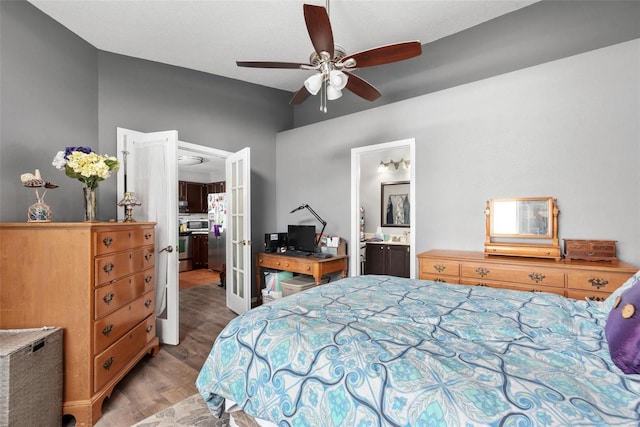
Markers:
(313, 83)
(333, 93)
(338, 79)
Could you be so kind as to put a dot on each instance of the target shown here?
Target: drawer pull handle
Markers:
(147, 236)
(536, 290)
(149, 328)
(107, 330)
(598, 283)
(481, 284)
(147, 303)
(148, 278)
(108, 298)
(592, 298)
(439, 280)
(107, 241)
(108, 363)
(537, 277)
(482, 271)
(108, 268)
(440, 268)
(148, 256)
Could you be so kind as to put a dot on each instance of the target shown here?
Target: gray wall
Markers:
(59, 91)
(542, 32)
(49, 87)
(567, 129)
(207, 110)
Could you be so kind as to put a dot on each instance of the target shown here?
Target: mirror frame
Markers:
(393, 189)
(508, 243)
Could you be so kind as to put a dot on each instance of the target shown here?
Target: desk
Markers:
(316, 267)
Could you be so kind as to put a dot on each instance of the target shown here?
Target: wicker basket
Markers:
(31, 377)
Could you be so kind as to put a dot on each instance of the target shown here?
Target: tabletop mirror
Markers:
(522, 227)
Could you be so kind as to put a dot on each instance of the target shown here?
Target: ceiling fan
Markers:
(333, 65)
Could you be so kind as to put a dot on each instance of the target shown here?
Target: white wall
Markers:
(567, 129)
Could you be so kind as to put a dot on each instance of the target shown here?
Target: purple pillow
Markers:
(623, 331)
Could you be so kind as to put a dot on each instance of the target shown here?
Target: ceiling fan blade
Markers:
(362, 88)
(386, 54)
(271, 64)
(300, 96)
(319, 28)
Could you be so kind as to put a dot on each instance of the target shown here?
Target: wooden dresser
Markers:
(96, 281)
(572, 279)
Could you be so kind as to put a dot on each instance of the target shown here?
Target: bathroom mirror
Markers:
(395, 209)
(509, 220)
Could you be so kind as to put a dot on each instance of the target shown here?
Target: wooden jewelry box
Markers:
(590, 250)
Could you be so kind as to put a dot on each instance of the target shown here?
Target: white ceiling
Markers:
(210, 35)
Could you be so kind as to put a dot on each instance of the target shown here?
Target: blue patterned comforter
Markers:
(386, 351)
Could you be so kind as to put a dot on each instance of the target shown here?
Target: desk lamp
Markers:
(322, 221)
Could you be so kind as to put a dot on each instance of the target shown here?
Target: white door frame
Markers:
(354, 247)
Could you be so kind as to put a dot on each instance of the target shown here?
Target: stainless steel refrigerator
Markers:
(217, 232)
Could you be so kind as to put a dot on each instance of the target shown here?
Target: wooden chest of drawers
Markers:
(590, 250)
(577, 279)
(96, 281)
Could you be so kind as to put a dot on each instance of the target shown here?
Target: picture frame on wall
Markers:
(394, 204)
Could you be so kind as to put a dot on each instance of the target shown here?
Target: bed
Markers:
(388, 351)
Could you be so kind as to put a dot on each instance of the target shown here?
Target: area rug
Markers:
(192, 411)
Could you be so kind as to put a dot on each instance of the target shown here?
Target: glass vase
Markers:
(90, 206)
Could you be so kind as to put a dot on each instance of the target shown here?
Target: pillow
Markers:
(607, 305)
(623, 331)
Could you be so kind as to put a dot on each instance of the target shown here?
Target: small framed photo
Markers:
(394, 203)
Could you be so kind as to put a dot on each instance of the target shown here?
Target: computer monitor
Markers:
(302, 237)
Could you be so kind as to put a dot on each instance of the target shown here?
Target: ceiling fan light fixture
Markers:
(333, 93)
(190, 160)
(313, 83)
(338, 79)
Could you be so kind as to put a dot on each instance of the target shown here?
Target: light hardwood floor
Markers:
(161, 381)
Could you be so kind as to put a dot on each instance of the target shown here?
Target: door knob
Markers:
(168, 249)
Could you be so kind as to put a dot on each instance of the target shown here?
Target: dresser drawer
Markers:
(112, 267)
(109, 363)
(529, 276)
(515, 286)
(108, 329)
(602, 281)
(119, 292)
(110, 241)
(440, 278)
(438, 268)
(582, 295)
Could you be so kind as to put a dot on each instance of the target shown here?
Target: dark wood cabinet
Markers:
(196, 195)
(200, 247)
(392, 260)
(216, 187)
(182, 191)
